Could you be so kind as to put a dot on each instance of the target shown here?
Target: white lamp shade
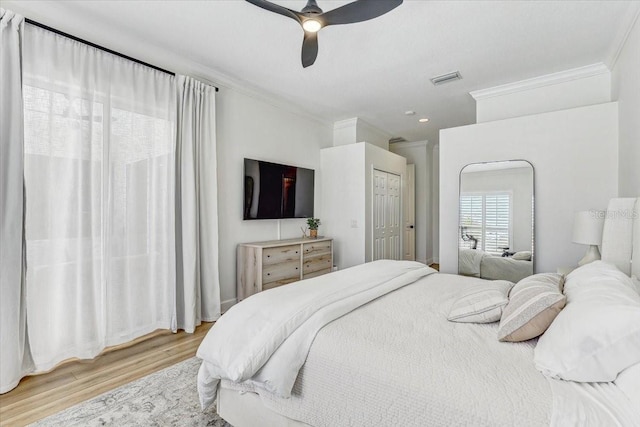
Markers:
(587, 227)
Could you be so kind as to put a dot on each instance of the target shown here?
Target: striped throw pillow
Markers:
(533, 304)
(482, 303)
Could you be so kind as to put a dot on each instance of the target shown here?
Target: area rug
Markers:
(165, 398)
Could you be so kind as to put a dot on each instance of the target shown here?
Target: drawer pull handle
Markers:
(268, 274)
(268, 256)
(296, 268)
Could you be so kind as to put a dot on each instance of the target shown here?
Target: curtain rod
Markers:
(97, 46)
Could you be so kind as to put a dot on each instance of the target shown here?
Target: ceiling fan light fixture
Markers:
(313, 19)
(311, 25)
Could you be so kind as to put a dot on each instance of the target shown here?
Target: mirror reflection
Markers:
(496, 224)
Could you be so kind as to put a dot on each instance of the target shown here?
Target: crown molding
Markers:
(341, 124)
(408, 144)
(541, 81)
(356, 122)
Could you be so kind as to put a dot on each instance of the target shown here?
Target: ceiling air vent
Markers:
(397, 139)
(446, 78)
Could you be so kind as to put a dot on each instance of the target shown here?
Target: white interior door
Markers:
(386, 215)
(379, 214)
(410, 214)
(394, 223)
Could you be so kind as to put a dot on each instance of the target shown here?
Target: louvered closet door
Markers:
(386, 216)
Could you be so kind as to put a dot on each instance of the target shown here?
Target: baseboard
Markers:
(429, 261)
(226, 305)
(436, 260)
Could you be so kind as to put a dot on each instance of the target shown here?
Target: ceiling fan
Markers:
(313, 19)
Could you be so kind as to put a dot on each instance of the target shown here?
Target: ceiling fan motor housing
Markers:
(312, 7)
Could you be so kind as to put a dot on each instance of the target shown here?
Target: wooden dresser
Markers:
(265, 265)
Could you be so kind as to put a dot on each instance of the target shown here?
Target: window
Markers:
(485, 218)
(99, 198)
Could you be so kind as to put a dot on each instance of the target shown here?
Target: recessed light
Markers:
(423, 120)
(409, 113)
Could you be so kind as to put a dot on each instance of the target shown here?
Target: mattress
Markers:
(398, 361)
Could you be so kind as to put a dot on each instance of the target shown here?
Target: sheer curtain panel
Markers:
(100, 192)
(15, 357)
(198, 284)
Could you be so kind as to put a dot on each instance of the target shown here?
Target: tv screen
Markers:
(273, 191)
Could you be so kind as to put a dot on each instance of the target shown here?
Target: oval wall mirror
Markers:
(496, 223)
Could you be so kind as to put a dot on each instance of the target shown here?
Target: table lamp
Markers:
(587, 230)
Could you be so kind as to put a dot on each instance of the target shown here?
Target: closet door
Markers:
(394, 219)
(386, 216)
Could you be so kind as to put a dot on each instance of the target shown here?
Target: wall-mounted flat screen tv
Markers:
(273, 191)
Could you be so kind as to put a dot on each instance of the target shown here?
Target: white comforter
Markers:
(265, 339)
(394, 361)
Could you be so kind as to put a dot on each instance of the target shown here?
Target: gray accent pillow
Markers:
(482, 303)
(533, 304)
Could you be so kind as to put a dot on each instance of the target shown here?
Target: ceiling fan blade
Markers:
(276, 8)
(358, 11)
(309, 49)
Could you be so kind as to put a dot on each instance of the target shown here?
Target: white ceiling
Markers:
(375, 70)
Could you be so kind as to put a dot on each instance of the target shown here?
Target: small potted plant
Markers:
(313, 224)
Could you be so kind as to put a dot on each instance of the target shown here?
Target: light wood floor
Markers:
(72, 382)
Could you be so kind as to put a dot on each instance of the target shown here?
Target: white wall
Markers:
(371, 134)
(417, 153)
(575, 156)
(435, 202)
(347, 196)
(250, 128)
(345, 132)
(343, 210)
(560, 91)
(626, 90)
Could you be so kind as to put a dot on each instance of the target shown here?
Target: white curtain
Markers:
(100, 184)
(198, 285)
(15, 357)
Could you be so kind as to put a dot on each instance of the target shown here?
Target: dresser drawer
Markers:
(280, 254)
(282, 271)
(316, 248)
(277, 283)
(316, 263)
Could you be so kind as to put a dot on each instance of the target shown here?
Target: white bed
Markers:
(477, 263)
(395, 360)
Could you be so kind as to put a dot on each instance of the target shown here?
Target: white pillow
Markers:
(597, 335)
(482, 303)
(522, 256)
(629, 382)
